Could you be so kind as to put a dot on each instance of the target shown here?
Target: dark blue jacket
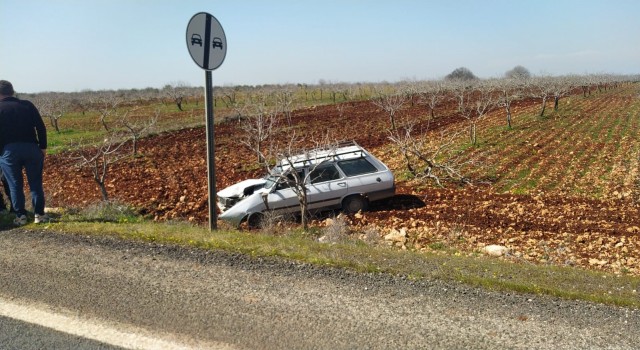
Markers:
(20, 121)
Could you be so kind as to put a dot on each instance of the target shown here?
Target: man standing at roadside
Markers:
(23, 144)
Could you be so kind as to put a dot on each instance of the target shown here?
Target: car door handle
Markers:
(342, 184)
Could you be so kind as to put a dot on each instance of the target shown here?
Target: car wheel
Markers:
(255, 220)
(354, 204)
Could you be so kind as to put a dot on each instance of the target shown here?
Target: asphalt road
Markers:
(195, 299)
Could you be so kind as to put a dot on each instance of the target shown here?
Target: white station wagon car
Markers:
(346, 177)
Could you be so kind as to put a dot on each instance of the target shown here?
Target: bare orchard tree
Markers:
(81, 103)
(586, 82)
(431, 94)
(61, 106)
(461, 90)
(431, 156)
(258, 128)
(98, 159)
(284, 100)
(230, 95)
(474, 101)
(508, 91)
(177, 92)
(483, 99)
(389, 102)
(561, 87)
(107, 104)
(53, 106)
(138, 126)
(542, 88)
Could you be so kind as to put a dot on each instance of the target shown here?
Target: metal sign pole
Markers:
(207, 45)
(211, 160)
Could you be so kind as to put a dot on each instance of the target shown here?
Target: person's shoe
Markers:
(41, 218)
(20, 220)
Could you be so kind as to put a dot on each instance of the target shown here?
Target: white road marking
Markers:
(94, 329)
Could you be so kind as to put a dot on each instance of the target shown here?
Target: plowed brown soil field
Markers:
(547, 224)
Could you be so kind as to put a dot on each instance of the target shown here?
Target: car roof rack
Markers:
(332, 152)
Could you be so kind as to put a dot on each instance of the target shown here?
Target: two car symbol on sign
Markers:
(196, 39)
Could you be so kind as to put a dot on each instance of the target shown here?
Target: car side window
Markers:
(289, 181)
(353, 167)
(324, 173)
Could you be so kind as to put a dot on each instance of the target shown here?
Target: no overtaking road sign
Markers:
(207, 46)
(206, 41)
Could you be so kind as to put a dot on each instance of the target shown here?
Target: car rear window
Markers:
(353, 167)
(324, 173)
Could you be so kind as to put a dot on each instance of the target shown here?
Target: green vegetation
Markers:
(586, 136)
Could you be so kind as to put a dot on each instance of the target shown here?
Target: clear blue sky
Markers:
(71, 45)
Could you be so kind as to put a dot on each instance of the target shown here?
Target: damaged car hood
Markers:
(237, 190)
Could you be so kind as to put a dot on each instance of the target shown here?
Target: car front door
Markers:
(283, 198)
(326, 187)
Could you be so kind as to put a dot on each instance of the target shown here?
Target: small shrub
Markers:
(437, 246)
(105, 211)
(272, 223)
(371, 235)
(336, 230)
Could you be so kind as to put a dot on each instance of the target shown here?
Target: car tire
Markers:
(354, 204)
(254, 220)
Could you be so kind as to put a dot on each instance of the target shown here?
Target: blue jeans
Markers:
(15, 157)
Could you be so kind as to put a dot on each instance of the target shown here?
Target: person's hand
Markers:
(44, 152)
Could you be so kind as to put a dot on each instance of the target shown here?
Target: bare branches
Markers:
(54, 107)
(390, 103)
(284, 100)
(176, 92)
(431, 156)
(432, 94)
(258, 128)
(138, 129)
(508, 91)
(107, 105)
(98, 159)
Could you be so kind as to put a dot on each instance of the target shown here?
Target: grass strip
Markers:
(479, 271)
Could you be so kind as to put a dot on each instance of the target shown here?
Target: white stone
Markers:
(495, 250)
(397, 236)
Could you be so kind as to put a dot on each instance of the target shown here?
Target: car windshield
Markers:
(270, 181)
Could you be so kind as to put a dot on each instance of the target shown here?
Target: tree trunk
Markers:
(104, 123)
(556, 102)
(544, 106)
(103, 189)
(135, 145)
(474, 138)
(393, 122)
(303, 209)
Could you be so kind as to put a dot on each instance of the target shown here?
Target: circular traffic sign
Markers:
(206, 41)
